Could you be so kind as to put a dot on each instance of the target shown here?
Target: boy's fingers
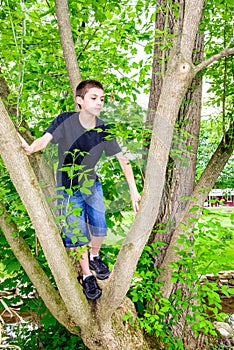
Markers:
(135, 206)
(28, 151)
(27, 148)
(135, 202)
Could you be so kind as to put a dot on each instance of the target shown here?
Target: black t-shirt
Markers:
(79, 149)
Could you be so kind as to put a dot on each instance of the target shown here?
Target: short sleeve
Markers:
(56, 128)
(111, 145)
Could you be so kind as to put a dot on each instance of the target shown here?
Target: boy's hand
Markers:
(28, 149)
(37, 145)
(25, 145)
(135, 197)
(127, 169)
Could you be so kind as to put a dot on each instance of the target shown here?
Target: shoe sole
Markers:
(93, 297)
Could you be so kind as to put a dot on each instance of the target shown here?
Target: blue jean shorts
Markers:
(83, 215)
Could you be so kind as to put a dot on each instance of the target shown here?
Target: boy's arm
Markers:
(37, 145)
(127, 170)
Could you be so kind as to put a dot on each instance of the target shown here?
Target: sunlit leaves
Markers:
(218, 106)
(106, 37)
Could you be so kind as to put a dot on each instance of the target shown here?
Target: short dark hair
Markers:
(84, 86)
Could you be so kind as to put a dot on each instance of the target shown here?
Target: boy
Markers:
(82, 137)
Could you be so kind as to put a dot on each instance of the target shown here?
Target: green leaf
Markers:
(194, 209)
(85, 190)
(69, 191)
(77, 211)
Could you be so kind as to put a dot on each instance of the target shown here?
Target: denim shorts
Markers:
(82, 215)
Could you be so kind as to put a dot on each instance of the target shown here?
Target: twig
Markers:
(10, 311)
(88, 42)
(226, 52)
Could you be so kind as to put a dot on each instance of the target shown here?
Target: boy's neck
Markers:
(87, 120)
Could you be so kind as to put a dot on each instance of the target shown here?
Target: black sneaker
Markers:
(90, 288)
(100, 268)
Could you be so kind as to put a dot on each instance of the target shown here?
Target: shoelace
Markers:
(100, 264)
(91, 284)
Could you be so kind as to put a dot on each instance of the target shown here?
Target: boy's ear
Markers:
(79, 100)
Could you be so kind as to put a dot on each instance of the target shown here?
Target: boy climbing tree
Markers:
(82, 137)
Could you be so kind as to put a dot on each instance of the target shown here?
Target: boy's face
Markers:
(92, 102)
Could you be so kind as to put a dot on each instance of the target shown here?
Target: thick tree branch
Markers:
(41, 282)
(47, 232)
(198, 197)
(226, 52)
(175, 84)
(65, 32)
(193, 9)
(41, 169)
(177, 79)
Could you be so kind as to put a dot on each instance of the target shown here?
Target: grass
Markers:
(214, 239)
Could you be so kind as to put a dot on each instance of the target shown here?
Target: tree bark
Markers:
(165, 26)
(35, 273)
(177, 79)
(32, 197)
(164, 23)
(180, 183)
(180, 173)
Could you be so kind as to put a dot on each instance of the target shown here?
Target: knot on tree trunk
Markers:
(184, 69)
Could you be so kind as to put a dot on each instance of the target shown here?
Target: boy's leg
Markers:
(74, 241)
(84, 263)
(96, 243)
(95, 262)
(97, 226)
(99, 267)
(89, 283)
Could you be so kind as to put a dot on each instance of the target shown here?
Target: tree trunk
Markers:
(164, 26)
(115, 333)
(182, 164)
(178, 78)
(180, 177)
(32, 197)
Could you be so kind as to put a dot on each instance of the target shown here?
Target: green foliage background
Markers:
(105, 34)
